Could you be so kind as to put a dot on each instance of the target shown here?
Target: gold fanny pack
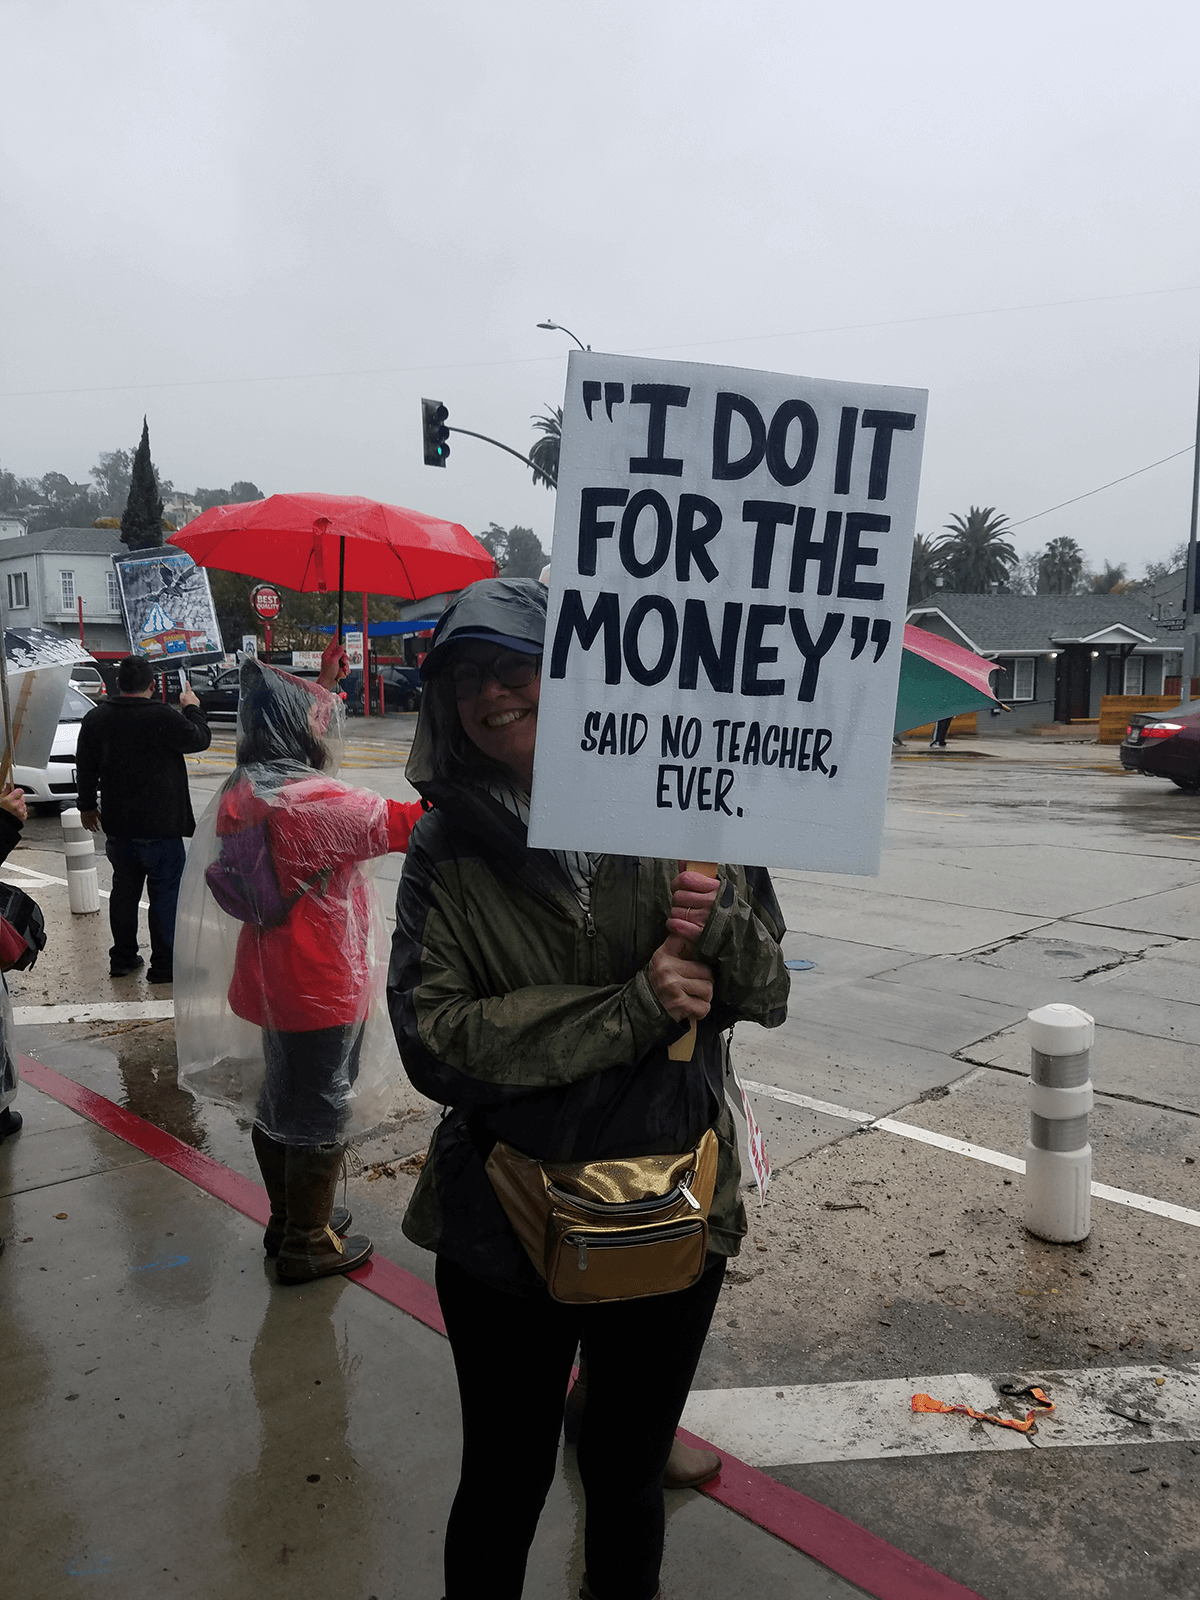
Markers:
(610, 1230)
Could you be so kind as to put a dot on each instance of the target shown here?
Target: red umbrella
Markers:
(315, 542)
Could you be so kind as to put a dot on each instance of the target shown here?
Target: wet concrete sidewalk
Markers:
(177, 1424)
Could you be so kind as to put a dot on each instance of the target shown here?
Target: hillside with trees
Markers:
(57, 501)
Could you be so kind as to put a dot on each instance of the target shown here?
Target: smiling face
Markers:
(500, 722)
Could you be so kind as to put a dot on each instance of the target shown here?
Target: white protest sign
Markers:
(727, 596)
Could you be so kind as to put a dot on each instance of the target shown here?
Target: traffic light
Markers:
(435, 433)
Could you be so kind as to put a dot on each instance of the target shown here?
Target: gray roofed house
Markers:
(1059, 653)
(45, 575)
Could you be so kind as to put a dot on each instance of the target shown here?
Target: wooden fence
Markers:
(1116, 709)
(959, 728)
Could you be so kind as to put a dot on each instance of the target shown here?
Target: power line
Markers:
(1088, 493)
(940, 316)
(527, 361)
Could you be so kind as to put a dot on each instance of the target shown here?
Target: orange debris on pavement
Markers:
(925, 1402)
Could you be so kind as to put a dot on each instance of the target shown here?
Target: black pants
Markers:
(307, 1084)
(513, 1356)
(156, 864)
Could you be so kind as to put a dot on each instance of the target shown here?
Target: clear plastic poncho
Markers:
(281, 953)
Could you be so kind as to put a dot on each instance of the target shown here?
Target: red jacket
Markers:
(312, 971)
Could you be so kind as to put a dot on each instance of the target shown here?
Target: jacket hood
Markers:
(512, 611)
(509, 611)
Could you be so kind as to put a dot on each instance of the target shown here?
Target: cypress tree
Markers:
(141, 521)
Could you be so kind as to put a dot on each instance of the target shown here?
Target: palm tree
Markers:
(976, 554)
(1060, 566)
(1111, 580)
(544, 454)
(926, 567)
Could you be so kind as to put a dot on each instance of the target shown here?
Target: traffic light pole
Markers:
(487, 440)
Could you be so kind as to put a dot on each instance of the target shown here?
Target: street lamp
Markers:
(557, 327)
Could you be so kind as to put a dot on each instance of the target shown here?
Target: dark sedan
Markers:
(401, 688)
(218, 695)
(1165, 744)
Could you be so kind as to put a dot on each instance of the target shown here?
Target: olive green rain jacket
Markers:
(534, 1022)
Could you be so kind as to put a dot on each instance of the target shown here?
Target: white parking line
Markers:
(790, 1098)
(101, 1011)
(34, 878)
(974, 1152)
(874, 1420)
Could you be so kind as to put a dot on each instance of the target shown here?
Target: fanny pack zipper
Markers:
(627, 1208)
(618, 1241)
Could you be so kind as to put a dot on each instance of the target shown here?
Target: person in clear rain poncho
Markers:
(281, 958)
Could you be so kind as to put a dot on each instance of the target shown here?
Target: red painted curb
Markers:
(845, 1547)
(854, 1553)
(401, 1289)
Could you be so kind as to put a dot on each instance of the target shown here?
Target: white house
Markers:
(44, 576)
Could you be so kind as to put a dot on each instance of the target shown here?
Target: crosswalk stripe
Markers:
(873, 1420)
(103, 1011)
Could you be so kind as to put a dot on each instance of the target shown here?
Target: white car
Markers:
(86, 678)
(54, 784)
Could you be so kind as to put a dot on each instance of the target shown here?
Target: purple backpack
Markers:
(243, 879)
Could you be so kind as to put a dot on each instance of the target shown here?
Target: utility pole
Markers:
(1188, 664)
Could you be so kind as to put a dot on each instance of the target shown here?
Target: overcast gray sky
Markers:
(273, 225)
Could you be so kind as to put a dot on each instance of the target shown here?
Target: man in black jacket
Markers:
(133, 749)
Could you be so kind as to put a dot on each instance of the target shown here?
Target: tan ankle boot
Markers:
(686, 1467)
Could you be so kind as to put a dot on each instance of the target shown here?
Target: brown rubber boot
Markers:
(271, 1156)
(310, 1247)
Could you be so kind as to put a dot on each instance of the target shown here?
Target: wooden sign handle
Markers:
(682, 1049)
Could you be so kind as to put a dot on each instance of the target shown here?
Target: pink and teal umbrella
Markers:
(939, 679)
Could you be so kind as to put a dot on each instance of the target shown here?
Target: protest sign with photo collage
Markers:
(168, 608)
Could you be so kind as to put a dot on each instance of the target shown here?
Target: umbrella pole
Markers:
(341, 587)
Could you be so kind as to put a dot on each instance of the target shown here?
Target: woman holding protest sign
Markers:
(278, 996)
(583, 1187)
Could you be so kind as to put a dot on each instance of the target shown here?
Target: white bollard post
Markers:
(1058, 1157)
(83, 885)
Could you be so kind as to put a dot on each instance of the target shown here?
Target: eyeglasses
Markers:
(512, 669)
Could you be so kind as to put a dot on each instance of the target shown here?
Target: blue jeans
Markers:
(156, 864)
(307, 1084)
